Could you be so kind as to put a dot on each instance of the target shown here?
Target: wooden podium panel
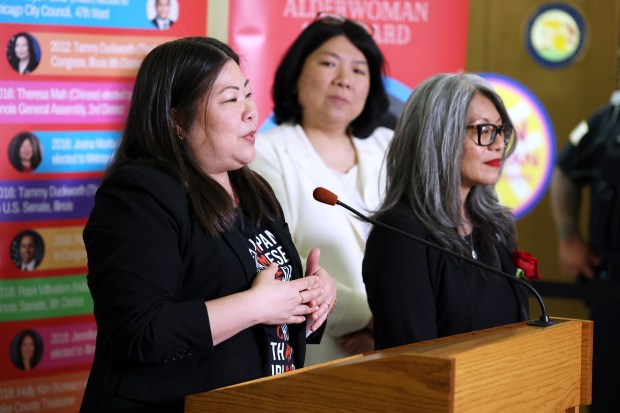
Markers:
(513, 368)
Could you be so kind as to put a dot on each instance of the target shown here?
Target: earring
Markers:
(179, 133)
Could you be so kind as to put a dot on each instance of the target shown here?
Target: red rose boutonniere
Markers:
(527, 265)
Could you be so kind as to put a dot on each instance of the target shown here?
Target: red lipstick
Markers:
(495, 163)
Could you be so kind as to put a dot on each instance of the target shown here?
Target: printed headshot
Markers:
(27, 250)
(26, 350)
(162, 13)
(23, 52)
(25, 152)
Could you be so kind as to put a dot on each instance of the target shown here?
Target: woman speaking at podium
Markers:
(195, 280)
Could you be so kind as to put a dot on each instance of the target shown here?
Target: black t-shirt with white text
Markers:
(265, 248)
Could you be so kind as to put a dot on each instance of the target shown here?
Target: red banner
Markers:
(418, 38)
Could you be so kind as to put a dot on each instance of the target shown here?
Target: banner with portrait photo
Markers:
(66, 80)
(417, 38)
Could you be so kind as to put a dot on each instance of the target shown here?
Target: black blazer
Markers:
(151, 268)
(417, 293)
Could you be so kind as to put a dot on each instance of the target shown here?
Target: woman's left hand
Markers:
(327, 301)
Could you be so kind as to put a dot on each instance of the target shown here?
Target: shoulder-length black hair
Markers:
(33, 61)
(284, 93)
(17, 356)
(17, 142)
(171, 82)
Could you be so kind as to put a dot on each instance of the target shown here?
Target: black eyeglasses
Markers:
(336, 19)
(487, 132)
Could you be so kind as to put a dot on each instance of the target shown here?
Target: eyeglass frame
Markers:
(337, 19)
(501, 130)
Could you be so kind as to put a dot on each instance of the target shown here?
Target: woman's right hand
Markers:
(576, 258)
(278, 302)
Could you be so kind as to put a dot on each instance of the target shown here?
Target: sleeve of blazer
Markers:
(133, 239)
(396, 274)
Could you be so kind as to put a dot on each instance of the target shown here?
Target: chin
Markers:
(490, 182)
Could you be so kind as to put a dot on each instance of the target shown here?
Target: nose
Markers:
(498, 144)
(251, 111)
(342, 79)
(342, 83)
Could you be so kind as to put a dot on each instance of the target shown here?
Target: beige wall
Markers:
(496, 44)
(217, 19)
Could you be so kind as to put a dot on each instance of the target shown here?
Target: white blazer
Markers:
(287, 160)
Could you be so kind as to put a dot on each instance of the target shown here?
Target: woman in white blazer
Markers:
(329, 101)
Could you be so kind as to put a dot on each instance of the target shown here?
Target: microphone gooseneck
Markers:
(327, 197)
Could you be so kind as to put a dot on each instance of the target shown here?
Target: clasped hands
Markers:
(308, 299)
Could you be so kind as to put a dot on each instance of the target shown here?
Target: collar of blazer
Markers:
(300, 149)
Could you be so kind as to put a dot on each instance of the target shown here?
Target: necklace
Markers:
(470, 241)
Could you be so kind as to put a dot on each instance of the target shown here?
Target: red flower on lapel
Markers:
(528, 265)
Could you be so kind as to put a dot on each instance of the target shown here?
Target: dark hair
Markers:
(424, 164)
(14, 61)
(172, 81)
(16, 144)
(284, 93)
(16, 349)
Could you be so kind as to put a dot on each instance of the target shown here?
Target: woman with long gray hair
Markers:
(449, 147)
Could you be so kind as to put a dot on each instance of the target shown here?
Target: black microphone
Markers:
(327, 197)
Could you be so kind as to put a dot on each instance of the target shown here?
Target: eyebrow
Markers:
(484, 119)
(363, 62)
(233, 87)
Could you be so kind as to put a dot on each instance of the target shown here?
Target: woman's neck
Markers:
(224, 180)
(334, 146)
(23, 64)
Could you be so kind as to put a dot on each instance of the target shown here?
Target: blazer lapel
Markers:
(369, 170)
(300, 149)
(240, 248)
(284, 237)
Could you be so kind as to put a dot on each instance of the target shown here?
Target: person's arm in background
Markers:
(574, 255)
(360, 341)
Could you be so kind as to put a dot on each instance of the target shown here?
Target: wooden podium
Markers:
(513, 368)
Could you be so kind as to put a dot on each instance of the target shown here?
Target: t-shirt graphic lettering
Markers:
(265, 249)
